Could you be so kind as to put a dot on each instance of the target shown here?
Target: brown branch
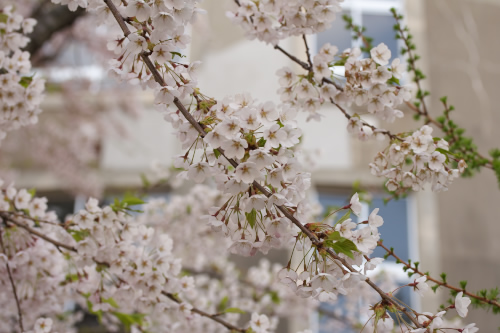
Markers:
(36, 233)
(294, 58)
(18, 304)
(214, 317)
(308, 53)
(21, 215)
(385, 132)
(436, 281)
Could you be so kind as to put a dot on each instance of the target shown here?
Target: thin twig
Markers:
(294, 58)
(308, 53)
(436, 281)
(385, 132)
(18, 304)
(36, 233)
(214, 317)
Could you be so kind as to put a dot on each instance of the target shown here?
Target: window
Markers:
(374, 15)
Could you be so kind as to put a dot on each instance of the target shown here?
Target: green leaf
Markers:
(3, 18)
(25, 81)
(275, 297)
(217, 153)
(252, 217)
(346, 247)
(223, 303)
(96, 313)
(111, 302)
(233, 310)
(334, 236)
(130, 200)
(32, 191)
(393, 80)
(79, 235)
(261, 142)
(343, 218)
(129, 319)
(176, 54)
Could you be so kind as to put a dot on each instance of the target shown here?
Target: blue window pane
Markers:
(380, 28)
(336, 35)
(394, 231)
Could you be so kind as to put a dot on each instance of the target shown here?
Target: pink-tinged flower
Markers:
(461, 304)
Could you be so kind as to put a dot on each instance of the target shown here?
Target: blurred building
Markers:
(454, 232)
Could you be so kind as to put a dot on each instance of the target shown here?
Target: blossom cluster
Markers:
(322, 277)
(273, 20)
(366, 83)
(20, 92)
(260, 138)
(118, 266)
(417, 160)
(37, 267)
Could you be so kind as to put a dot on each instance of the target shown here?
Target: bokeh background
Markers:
(96, 137)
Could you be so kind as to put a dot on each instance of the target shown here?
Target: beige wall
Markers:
(464, 64)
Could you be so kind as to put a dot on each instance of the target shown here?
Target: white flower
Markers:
(161, 53)
(235, 148)
(436, 161)
(274, 135)
(381, 54)
(247, 172)
(261, 158)
(286, 76)
(137, 44)
(420, 286)
(375, 220)
(355, 204)
(22, 199)
(461, 304)
(397, 68)
(259, 323)
(139, 9)
(199, 171)
(471, 328)
(43, 325)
